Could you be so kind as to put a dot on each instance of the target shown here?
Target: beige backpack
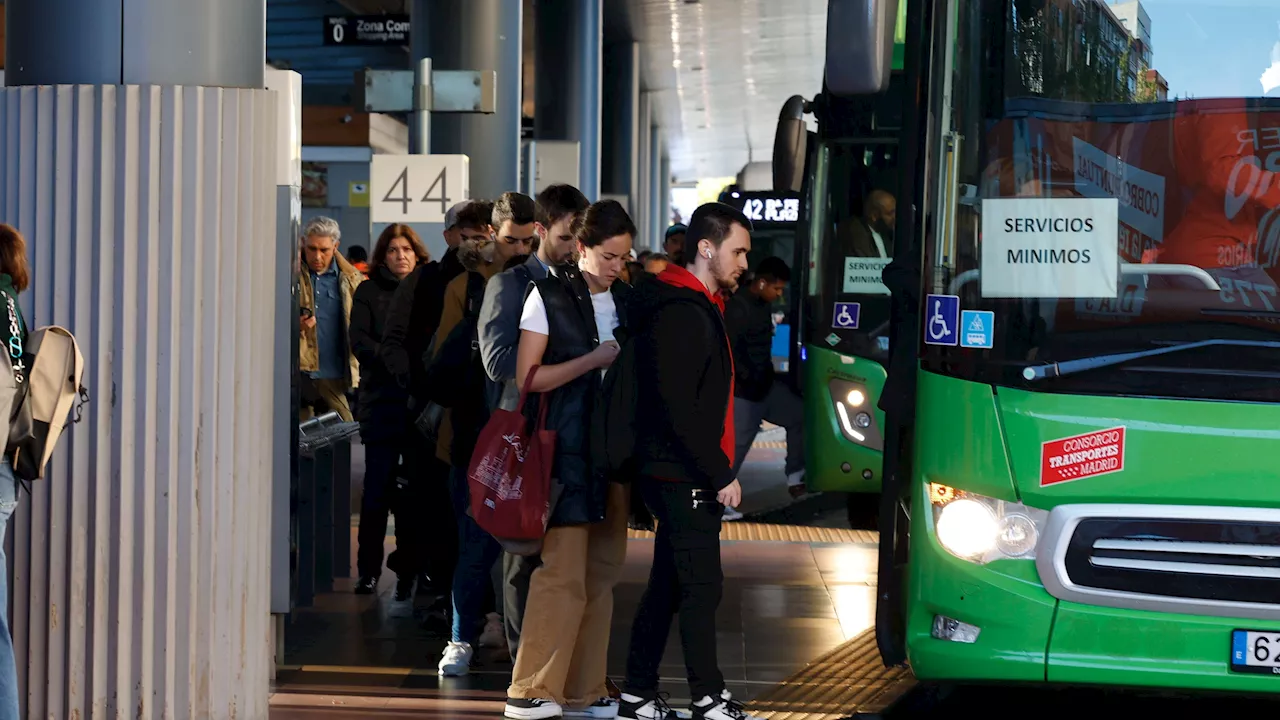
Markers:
(43, 393)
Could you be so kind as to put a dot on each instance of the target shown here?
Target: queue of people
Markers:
(545, 294)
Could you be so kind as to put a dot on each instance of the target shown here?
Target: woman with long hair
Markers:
(570, 331)
(382, 410)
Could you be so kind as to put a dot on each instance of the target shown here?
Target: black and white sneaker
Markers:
(721, 708)
(535, 709)
(602, 709)
(634, 707)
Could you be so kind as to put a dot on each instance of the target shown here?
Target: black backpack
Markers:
(615, 450)
(449, 374)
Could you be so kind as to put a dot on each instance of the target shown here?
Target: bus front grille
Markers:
(1195, 559)
(1216, 561)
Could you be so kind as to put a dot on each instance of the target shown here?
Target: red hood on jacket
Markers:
(677, 276)
(682, 278)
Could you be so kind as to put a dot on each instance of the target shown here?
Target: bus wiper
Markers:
(1070, 367)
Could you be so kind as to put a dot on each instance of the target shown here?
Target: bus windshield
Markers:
(1107, 184)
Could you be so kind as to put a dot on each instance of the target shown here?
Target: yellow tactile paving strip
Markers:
(742, 531)
(769, 445)
(849, 679)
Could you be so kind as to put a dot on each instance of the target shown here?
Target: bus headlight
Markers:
(982, 529)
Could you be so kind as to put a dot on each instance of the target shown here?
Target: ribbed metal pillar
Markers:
(656, 226)
(139, 568)
(666, 194)
(641, 208)
(567, 84)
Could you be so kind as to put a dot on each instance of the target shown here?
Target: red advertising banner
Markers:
(1082, 456)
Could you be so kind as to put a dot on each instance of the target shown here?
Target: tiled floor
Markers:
(784, 604)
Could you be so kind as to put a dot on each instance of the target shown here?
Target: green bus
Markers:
(846, 173)
(1083, 370)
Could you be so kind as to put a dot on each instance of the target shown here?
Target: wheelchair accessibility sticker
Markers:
(942, 320)
(845, 315)
(977, 329)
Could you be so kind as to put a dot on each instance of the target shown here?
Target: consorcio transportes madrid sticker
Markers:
(1082, 456)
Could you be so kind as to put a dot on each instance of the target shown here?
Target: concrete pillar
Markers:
(656, 226)
(139, 573)
(567, 82)
(477, 35)
(619, 163)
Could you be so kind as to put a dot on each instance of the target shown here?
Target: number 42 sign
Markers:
(417, 188)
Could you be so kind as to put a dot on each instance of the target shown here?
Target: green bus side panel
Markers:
(959, 443)
(825, 447)
(900, 37)
(958, 436)
(1179, 452)
(1149, 649)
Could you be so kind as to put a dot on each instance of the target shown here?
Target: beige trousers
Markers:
(564, 643)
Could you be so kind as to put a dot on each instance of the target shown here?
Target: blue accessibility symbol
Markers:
(845, 315)
(941, 318)
(977, 329)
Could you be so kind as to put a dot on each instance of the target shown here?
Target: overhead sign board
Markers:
(765, 207)
(366, 30)
(417, 188)
(1050, 247)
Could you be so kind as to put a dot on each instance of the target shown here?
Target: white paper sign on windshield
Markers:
(1050, 247)
(862, 276)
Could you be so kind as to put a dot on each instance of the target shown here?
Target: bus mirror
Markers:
(859, 45)
(789, 143)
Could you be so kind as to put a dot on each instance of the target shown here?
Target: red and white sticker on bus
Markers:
(1082, 456)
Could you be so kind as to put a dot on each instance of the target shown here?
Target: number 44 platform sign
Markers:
(417, 188)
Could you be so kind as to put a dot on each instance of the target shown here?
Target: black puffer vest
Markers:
(571, 334)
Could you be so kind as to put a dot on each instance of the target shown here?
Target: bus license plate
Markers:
(1253, 651)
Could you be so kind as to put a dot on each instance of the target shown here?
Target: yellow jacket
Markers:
(308, 347)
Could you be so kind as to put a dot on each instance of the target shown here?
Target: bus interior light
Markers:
(981, 529)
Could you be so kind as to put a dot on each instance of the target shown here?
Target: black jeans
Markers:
(381, 463)
(687, 579)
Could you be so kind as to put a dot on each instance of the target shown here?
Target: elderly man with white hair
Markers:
(326, 286)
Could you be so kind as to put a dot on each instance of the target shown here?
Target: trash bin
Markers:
(322, 519)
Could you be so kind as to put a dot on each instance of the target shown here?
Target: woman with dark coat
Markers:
(382, 408)
(570, 331)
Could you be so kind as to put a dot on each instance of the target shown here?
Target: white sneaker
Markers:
(494, 634)
(536, 709)
(602, 709)
(731, 514)
(634, 707)
(456, 660)
(722, 708)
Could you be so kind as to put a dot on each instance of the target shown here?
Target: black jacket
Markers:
(412, 317)
(749, 322)
(684, 371)
(572, 334)
(382, 403)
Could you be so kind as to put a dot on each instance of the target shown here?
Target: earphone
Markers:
(706, 254)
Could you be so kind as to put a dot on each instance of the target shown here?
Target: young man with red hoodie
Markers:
(684, 456)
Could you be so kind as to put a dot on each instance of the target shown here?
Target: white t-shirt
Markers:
(534, 316)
